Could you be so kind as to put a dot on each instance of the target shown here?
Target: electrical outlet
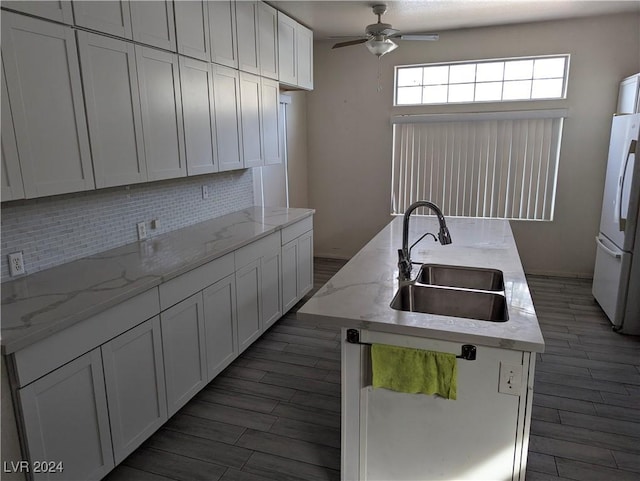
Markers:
(142, 230)
(205, 191)
(510, 379)
(16, 264)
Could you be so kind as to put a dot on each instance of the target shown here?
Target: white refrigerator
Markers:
(616, 279)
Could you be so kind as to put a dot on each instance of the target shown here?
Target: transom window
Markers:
(498, 80)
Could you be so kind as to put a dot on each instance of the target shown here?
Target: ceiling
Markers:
(349, 18)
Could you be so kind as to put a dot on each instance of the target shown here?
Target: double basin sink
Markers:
(468, 292)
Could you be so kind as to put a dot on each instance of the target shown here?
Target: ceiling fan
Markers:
(378, 35)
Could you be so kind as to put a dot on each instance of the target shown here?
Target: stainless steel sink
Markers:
(480, 305)
(465, 277)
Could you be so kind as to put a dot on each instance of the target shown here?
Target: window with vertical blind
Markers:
(493, 165)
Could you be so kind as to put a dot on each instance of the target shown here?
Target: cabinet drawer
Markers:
(183, 286)
(44, 356)
(296, 230)
(257, 249)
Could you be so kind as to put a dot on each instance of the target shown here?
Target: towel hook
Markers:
(468, 350)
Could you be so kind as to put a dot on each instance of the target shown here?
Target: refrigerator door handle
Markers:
(613, 254)
(622, 221)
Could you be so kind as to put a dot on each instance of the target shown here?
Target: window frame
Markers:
(563, 96)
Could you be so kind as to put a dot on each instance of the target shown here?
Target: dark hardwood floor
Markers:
(274, 414)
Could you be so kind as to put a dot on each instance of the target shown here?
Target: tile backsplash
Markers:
(54, 230)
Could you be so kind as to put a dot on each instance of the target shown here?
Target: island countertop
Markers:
(41, 304)
(359, 295)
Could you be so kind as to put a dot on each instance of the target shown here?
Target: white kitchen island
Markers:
(386, 435)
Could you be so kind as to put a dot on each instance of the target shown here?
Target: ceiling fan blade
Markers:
(417, 36)
(350, 42)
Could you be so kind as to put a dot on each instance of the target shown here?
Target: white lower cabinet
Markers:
(248, 295)
(297, 262)
(134, 377)
(183, 346)
(220, 325)
(271, 269)
(65, 419)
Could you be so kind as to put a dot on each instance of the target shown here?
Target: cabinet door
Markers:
(220, 325)
(250, 120)
(66, 420)
(113, 109)
(153, 23)
(270, 98)
(289, 275)
(134, 377)
(287, 57)
(183, 347)
(58, 11)
(192, 29)
(43, 80)
(248, 287)
(11, 177)
(268, 40)
(111, 17)
(305, 263)
(199, 123)
(161, 103)
(304, 55)
(271, 288)
(226, 91)
(247, 27)
(222, 25)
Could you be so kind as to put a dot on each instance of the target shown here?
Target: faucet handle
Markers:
(444, 236)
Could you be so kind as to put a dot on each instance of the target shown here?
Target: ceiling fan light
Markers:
(379, 47)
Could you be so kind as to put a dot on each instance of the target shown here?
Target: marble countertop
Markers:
(358, 296)
(38, 305)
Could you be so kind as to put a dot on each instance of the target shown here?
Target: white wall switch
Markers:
(205, 191)
(510, 379)
(142, 230)
(16, 264)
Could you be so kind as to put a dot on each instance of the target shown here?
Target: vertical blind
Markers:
(498, 164)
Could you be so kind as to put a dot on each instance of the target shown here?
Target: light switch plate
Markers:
(510, 379)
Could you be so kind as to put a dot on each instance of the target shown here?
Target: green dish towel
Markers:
(409, 370)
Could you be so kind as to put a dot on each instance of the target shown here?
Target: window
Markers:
(498, 80)
(493, 164)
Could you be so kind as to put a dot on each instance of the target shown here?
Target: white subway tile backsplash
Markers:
(54, 230)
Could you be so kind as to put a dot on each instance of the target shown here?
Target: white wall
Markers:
(349, 133)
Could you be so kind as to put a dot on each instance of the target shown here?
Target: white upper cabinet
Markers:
(222, 25)
(295, 53)
(250, 120)
(198, 110)
(226, 89)
(10, 176)
(270, 112)
(161, 103)
(45, 92)
(58, 11)
(192, 29)
(287, 58)
(268, 40)
(112, 17)
(247, 31)
(113, 109)
(304, 55)
(153, 23)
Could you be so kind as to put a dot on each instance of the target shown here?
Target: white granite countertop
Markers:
(38, 305)
(358, 296)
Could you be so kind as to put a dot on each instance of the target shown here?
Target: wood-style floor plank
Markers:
(274, 414)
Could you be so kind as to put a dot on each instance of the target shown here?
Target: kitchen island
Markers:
(483, 434)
